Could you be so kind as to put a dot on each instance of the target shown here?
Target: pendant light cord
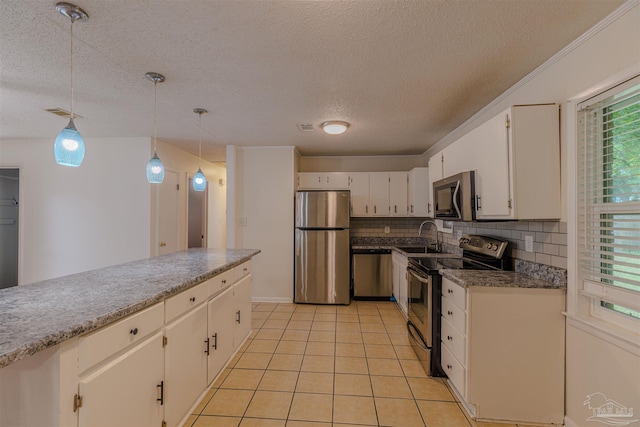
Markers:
(155, 113)
(200, 143)
(71, 65)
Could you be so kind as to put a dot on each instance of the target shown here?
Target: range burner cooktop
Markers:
(478, 253)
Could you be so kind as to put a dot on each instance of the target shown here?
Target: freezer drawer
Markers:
(372, 275)
(322, 266)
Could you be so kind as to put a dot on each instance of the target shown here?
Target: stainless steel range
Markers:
(425, 292)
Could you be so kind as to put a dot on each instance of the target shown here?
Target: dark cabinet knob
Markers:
(134, 331)
(192, 299)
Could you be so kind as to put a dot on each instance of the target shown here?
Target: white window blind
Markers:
(609, 203)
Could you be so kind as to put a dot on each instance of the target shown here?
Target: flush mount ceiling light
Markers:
(155, 168)
(199, 180)
(335, 127)
(69, 146)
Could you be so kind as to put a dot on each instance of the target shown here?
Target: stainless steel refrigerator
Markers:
(322, 247)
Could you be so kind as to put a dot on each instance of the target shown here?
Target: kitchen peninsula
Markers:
(102, 332)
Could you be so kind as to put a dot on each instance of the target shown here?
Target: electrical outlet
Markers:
(387, 229)
(528, 243)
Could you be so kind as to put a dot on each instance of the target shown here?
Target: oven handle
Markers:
(455, 199)
(421, 279)
(418, 341)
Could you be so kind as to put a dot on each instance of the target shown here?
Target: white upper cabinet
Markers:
(359, 187)
(419, 191)
(379, 193)
(398, 194)
(323, 180)
(518, 164)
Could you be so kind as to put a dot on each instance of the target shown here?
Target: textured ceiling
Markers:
(404, 73)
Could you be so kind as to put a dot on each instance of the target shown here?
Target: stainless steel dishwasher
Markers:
(372, 273)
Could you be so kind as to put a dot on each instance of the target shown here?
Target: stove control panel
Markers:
(484, 245)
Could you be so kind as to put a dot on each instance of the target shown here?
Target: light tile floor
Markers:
(323, 366)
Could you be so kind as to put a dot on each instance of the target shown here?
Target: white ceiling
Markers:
(404, 73)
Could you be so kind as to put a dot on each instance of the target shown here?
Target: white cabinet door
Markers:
(185, 363)
(379, 193)
(398, 193)
(403, 284)
(419, 191)
(323, 180)
(518, 164)
(336, 180)
(309, 180)
(242, 306)
(493, 180)
(126, 391)
(221, 332)
(359, 187)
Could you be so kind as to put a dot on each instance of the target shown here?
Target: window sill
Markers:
(623, 339)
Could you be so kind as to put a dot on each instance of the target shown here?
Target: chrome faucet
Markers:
(437, 245)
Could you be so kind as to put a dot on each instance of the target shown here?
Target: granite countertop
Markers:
(404, 253)
(497, 279)
(40, 315)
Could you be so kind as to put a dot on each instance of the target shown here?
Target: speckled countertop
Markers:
(497, 279)
(40, 315)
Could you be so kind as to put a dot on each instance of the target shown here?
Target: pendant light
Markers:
(199, 180)
(155, 168)
(69, 146)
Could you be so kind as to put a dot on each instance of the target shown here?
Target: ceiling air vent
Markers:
(62, 113)
(305, 127)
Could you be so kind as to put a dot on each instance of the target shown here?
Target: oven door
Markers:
(419, 324)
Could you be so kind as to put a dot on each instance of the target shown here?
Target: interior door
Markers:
(9, 196)
(167, 224)
(197, 222)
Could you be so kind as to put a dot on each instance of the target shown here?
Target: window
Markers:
(609, 203)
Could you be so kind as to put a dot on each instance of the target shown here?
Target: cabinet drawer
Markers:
(242, 270)
(455, 371)
(101, 344)
(454, 293)
(455, 316)
(221, 281)
(184, 301)
(455, 342)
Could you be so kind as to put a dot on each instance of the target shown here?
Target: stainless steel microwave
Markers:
(454, 197)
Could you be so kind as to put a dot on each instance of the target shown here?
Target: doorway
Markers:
(9, 215)
(167, 225)
(197, 218)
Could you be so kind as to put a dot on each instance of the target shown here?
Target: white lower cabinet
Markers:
(242, 306)
(400, 292)
(126, 391)
(503, 351)
(221, 325)
(185, 363)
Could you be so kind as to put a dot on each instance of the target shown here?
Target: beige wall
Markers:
(595, 366)
(596, 362)
(263, 180)
(187, 164)
(360, 163)
(79, 219)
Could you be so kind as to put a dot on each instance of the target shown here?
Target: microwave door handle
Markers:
(455, 199)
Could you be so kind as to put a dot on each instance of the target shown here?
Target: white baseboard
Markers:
(569, 423)
(272, 300)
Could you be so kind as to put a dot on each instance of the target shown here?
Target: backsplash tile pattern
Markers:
(548, 259)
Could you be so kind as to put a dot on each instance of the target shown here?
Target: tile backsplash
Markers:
(549, 237)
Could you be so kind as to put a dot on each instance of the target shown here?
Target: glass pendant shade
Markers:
(155, 170)
(69, 146)
(199, 181)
